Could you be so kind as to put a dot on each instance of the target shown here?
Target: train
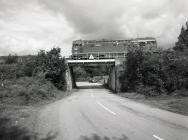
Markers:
(108, 49)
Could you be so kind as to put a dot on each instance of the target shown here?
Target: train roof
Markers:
(118, 40)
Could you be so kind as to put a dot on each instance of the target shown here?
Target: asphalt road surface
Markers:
(94, 113)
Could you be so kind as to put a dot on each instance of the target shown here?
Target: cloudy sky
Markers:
(27, 26)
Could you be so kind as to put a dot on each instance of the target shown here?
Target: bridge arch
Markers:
(114, 65)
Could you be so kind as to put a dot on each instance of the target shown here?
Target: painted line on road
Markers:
(106, 108)
(157, 137)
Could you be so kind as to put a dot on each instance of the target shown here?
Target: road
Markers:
(97, 114)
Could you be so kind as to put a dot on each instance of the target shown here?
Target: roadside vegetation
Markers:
(39, 75)
(27, 91)
(159, 73)
(26, 82)
(153, 74)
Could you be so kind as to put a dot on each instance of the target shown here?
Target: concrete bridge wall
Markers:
(114, 83)
(70, 80)
(112, 79)
(115, 72)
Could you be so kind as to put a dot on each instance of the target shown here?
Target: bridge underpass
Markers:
(114, 66)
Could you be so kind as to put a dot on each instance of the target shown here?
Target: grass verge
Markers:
(176, 104)
(20, 101)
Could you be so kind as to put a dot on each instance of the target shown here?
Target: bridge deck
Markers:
(91, 61)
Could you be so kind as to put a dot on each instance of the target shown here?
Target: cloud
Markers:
(117, 19)
(26, 27)
(31, 28)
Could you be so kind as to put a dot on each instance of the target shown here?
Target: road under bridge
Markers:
(115, 70)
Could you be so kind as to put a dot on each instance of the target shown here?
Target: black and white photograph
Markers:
(93, 69)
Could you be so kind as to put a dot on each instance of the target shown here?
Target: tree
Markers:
(182, 43)
(134, 62)
(53, 66)
(26, 67)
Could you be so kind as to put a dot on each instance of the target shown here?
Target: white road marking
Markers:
(106, 108)
(157, 137)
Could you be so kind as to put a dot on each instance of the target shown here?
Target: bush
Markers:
(27, 90)
(7, 71)
(158, 73)
(52, 66)
(134, 61)
(149, 90)
(27, 67)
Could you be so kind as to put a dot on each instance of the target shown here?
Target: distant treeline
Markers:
(160, 72)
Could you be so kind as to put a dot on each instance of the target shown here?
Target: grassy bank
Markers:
(28, 91)
(20, 100)
(176, 104)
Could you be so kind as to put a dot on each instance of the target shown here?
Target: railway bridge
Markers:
(113, 60)
(106, 52)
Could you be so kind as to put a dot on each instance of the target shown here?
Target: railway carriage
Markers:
(108, 49)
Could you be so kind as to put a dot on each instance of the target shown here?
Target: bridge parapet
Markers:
(88, 62)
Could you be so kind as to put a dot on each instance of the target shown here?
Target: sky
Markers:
(27, 26)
